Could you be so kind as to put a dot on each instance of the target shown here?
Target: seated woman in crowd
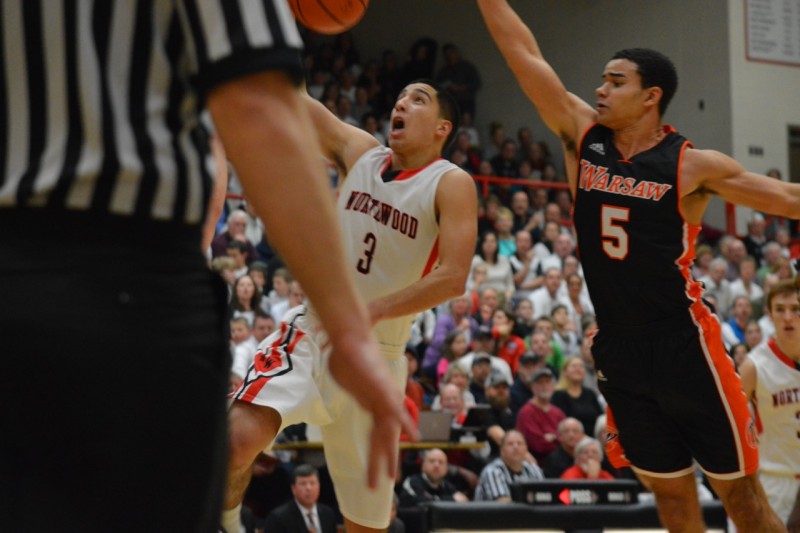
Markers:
(245, 299)
(498, 272)
(572, 397)
(458, 319)
(455, 346)
(459, 376)
(588, 461)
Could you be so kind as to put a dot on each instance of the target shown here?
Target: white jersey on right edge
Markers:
(778, 396)
(391, 233)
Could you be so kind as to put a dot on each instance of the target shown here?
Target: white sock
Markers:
(232, 521)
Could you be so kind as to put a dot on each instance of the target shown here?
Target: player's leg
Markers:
(720, 429)
(677, 502)
(640, 433)
(347, 444)
(278, 390)
(251, 428)
(746, 504)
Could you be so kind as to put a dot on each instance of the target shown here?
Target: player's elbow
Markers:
(454, 284)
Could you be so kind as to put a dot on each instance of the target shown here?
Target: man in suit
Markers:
(303, 514)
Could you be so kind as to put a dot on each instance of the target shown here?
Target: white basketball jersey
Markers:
(390, 232)
(778, 397)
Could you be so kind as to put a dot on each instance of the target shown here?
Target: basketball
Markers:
(328, 16)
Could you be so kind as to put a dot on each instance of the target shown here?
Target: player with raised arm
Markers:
(410, 227)
(640, 191)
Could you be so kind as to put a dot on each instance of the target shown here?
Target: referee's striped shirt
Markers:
(496, 478)
(101, 100)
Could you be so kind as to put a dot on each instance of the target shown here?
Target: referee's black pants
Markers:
(114, 363)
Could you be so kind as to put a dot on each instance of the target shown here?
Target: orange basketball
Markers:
(328, 16)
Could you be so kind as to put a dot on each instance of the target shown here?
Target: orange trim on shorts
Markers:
(614, 450)
(264, 361)
(729, 386)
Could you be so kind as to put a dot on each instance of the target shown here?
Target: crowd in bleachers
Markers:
(519, 339)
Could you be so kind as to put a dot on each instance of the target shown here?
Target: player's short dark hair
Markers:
(448, 108)
(786, 286)
(656, 70)
(303, 471)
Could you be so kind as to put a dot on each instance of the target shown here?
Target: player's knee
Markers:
(250, 430)
(746, 504)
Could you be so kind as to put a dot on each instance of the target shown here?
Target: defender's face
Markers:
(620, 97)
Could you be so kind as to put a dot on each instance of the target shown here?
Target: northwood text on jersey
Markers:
(786, 397)
(384, 213)
(596, 177)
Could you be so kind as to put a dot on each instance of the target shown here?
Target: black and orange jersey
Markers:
(634, 243)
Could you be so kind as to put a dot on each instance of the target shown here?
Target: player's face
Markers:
(785, 313)
(415, 121)
(620, 97)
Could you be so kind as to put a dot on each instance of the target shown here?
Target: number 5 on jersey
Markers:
(615, 238)
(365, 262)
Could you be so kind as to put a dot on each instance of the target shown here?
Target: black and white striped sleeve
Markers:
(236, 38)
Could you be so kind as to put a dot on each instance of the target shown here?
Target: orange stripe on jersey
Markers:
(433, 258)
(694, 290)
(759, 423)
(729, 387)
(408, 174)
(574, 186)
(785, 359)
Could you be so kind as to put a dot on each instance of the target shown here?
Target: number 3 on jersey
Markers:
(365, 262)
(615, 238)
